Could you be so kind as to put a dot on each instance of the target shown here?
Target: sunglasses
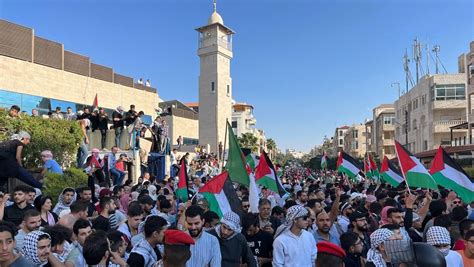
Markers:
(456, 202)
(246, 206)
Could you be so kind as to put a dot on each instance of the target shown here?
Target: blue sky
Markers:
(307, 66)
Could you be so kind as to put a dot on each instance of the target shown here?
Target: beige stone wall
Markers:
(34, 79)
(182, 126)
(432, 119)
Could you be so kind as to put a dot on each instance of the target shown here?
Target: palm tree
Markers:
(249, 140)
(271, 146)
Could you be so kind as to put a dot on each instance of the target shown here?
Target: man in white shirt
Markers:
(294, 246)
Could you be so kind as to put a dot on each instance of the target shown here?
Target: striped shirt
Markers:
(205, 252)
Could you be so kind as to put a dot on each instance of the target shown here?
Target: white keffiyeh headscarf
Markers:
(376, 239)
(30, 247)
(294, 212)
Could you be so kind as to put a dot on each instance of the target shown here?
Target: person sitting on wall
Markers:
(11, 160)
(50, 165)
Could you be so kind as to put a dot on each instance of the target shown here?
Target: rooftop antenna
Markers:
(417, 57)
(427, 59)
(406, 68)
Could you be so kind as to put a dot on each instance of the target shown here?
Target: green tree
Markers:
(250, 141)
(271, 146)
(60, 136)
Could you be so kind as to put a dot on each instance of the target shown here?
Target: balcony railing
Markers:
(206, 42)
(444, 126)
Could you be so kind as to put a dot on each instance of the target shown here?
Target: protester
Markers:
(205, 251)
(11, 156)
(31, 222)
(234, 248)
(8, 255)
(293, 245)
(259, 242)
(330, 254)
(81, 230)
(438, 237)
(15, 212)
(67, 197)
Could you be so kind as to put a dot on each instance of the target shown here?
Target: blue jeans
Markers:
(118, 134)
(82, 154)
(117, 176)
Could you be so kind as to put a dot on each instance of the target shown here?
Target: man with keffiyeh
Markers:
(234, 247)
(293, 245)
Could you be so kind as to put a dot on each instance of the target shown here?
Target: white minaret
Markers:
(215, 83)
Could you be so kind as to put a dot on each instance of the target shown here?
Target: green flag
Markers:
(236, 163)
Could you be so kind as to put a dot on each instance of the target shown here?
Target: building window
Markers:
(228, 90)
(340, 133)
(388, 120)
(341, 142)
(355, 134)
(449, 92)
(213, 89)
(425, 145)
(234, 124)
(423, 100)
(190, 141)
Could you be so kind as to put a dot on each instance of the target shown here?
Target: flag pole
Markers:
(403, 172)
(225, 143)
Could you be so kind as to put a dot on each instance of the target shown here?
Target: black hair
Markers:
(154, 223)
(458, 214)
(443, 220)
(134, 209)
(80, 224)
(40, 200)
(145, 200)
(209, 216)
(437, 208)
(348, 239)
(30, 213)
(165, 204)
(23, 188)
(117, 188)
(391, 227)
(393, 210)
(95, 247)
(58, 234)
(469, 234)
(289, 203)
(326, 259)
(245, 198)
(83, 188)
(277, 210)
(116, 239)
(104, 201)
(193, 211)
(299, 193)
(79, 206)
(6, 226)
(249, 219)
(68, 189)
(160, 197)
(464, 226)
(375, 207)
(15, 107)
(390, 202)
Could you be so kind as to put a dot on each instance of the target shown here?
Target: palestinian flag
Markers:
(373, 168)
(415, 173)
(266, 175)
(449, 174)
(236, 165)
(390, 173)
(348, 165)
(367, 170)
(252, 160)
(221, 195)
(324, 161)
(182, 192)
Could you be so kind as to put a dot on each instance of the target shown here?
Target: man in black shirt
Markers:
(103, 125)
(130, 116)
(15, 212)
(107, 207)
(259, 242)
(85, 193)
(353, 246)
(117, 120)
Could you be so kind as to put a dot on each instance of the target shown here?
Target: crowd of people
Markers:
(323, 220)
